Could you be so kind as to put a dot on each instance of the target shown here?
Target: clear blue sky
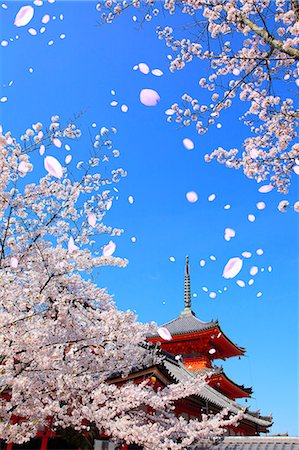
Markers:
(77, 74)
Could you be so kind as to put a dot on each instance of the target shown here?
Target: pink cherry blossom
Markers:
(232, 267)
(164, 333)
(192, 196)
(53, 166)
(149, 97)
(24, 16)
(109, 249)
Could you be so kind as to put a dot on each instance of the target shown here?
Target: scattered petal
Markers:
(229, 233)
(143, 68)
(296, 170)
(112, 92)
(261, 205)
(164, 333)
(253, 271)
(71, 245)
(68, 159)
(53, 166)
(236, 72)
(149, 97)
(24, 16)
(62, 36)
(192, 196)
(51, 42)
(92, 219)
(24, 167)
(211, 197)
(14, 262)
(157, 72)
(205, 289)
(45, 19)
(57, 142)
(172, 259)
(188, 144)
(169, 112)
(32, 31)
(114, 103)
(212, 295)
(251, 281)
(202, 263)
(42, 150)
(212, 351)
(247, 254)
(133, 239)
(251, 217)
(131, 199)
(259, 294)
(124, 108)
(227, 206)
(4, 43)
(3, 99)
(213, 258)
(232, 267)
(266, 188)
(259, 251)
(270, 268)
(135, 67)
(109, 249)
(240, 283)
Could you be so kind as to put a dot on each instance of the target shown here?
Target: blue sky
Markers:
(76, 74)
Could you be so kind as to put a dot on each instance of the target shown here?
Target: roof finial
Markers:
(187, 290)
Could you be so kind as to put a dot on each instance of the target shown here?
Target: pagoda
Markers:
(199, 343)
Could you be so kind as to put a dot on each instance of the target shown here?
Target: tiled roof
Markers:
(188, 323)
(178, 372)
(259, 443)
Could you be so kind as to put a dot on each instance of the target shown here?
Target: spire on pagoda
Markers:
(187, 290)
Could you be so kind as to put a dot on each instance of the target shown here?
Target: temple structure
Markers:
(197, 344)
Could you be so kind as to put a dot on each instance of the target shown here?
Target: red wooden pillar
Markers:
(9, 446)
(44, 443)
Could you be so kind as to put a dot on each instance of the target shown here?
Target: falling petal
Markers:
(4, 43)
(53, 166)
(212, 295)
(24, 167)
(131, 199)
(24, 16)
(188, 144)
(213, 258)
(92, 219)
(93, 125)
(253, 271)
(42, 150)
(133, 239)
(266, 188)
(251, 281)
(51, 42)
(67, 147)
(112, 92)
(211, 197)
(240, 283)
(192, 196)
(263, 269)
(109, 204)
(296, 170)
(236, 72)
(42, 30)
(261, 205)
(32, 31)
(71, 245)
(270, 268)
(30, 69)
(205, 289)
(164, 333)
(62, 36)
(157, 72)
(14, 262)
(68, 159)
(114, 103)
(229, 233)
(3, 99)
(219, 125)
(57, 142)
(259, 251)
(227, 207)
(202, 263)
(45, 19)
(143, 68)
(169, 112)
(232, 267)
(212, 351)
(149, 97)
(251, 217)
(109, 249)
(172, 259)
(195, 295)
(246, 254)
(259, 294)
(135, 67)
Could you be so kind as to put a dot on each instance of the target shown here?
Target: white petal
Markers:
(149, 97)
(296, 170)
(124, 108)
(212, 294)
(157, 72)
(205, 289)
(32, 31)
(259, 251)
(227, 206)
(143, 68)
(133, 239)
(261, 205)
(45, 19)
(71, 245)
(14, 262)
(57, 142)
(3, 99)
(192, 196)
(270, 269)
(213, 258)
(169, 112)
(202, 263)
(232, 267)
(92, 219)
(240, 283)
(24, 16)
(23, 167)
(131, 199)
(212, 351)
(164, 333)
(53, 166)
(188, 144)
(251, 217)
(236, 72)
(250, 282)
(109, 249)
(211, 197)
(259, 294)
(42, 150)
(253, 271)
(266, 188)
(109, 204)
(68, 159)
(172, 259)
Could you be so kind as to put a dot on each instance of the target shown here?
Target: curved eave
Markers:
(225, 346)
(232, 389)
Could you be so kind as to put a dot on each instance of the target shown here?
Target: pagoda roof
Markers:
(245, 391)
(187, 323)
(259, 443)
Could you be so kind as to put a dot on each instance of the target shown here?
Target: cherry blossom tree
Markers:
(62, 338)
(249, 57)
